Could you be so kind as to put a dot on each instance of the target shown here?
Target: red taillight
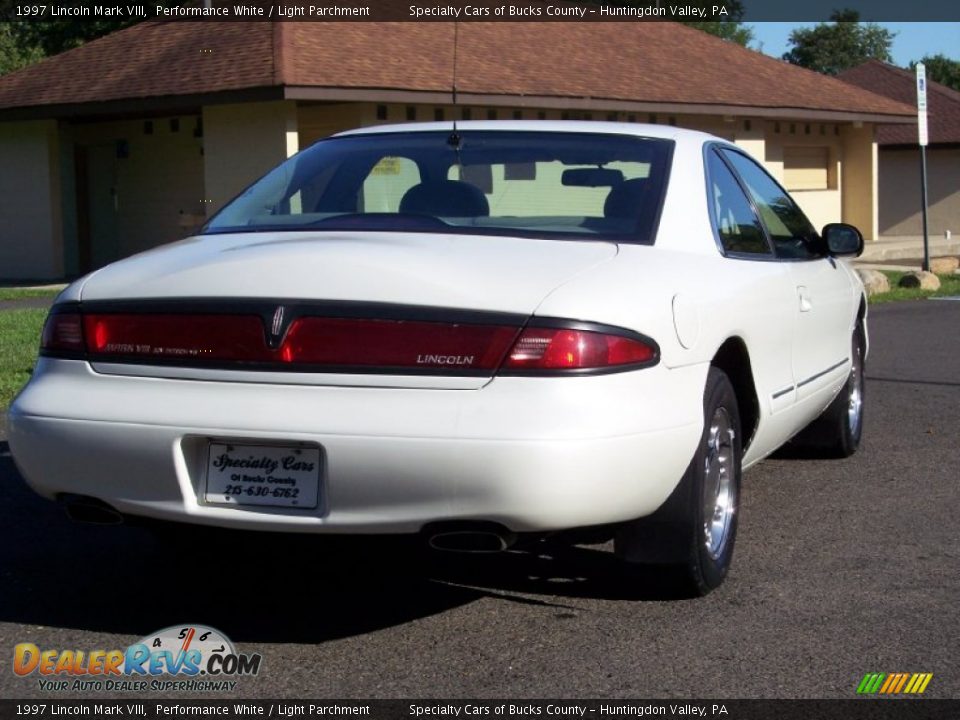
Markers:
(63, 332)
(177, 337)
(334, 342)
(341, 344)
(568, 349)
(396, 343)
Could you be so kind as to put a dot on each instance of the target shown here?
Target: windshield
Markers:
(541, 184)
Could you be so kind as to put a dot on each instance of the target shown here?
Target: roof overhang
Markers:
(389, 95)
(140, 107)
(191, 103)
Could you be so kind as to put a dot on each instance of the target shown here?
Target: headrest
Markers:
(445, 198)
(625, 199)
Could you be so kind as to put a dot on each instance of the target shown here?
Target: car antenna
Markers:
(454, 139)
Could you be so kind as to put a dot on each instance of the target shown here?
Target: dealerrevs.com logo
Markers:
(187, 657)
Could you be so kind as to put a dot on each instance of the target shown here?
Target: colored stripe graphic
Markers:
(894, 683)
(870, 683)
(903, 681)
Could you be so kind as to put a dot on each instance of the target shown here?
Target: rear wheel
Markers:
(696, 528)
(837, 432)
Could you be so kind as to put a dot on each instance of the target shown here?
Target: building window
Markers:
(466, 114)
(807, 168)
(542, 115)
(518, 114)
(438, 114)
(491, 114)
(381, 112)
(411, 113)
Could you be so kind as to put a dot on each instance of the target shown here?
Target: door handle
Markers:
(806, 304)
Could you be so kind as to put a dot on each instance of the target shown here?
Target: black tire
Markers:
(678, 534)
(837, 432)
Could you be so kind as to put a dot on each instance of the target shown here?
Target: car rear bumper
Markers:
(532, 454)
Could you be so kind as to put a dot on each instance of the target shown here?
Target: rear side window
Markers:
(792, 234)
(738, 226)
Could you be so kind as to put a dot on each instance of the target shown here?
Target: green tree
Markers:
(22, 43)
(941, 69)
(14, 52)
(732, 30)
(831, 48)
(57, 36)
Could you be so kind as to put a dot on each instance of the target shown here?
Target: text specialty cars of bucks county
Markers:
(476, 332)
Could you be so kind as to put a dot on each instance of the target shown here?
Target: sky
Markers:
(912, 40)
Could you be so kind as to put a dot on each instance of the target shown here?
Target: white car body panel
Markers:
(531, 453)
(495, 453)
(451, 271)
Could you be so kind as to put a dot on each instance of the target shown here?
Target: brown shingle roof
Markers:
(644, 62)
(943, 103)
(148, 60)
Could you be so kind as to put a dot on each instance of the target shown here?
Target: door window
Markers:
(792, 234)
(738, 226)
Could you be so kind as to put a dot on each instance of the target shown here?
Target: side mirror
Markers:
(842, 240)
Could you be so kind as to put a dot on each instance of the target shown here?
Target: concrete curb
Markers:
(908, 248)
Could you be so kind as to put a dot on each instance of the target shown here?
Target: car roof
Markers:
(667, 132)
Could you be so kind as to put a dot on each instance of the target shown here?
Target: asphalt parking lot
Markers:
(842, 568)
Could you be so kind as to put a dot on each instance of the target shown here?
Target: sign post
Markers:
(922, 130)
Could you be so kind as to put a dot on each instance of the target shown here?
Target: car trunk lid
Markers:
(332, 308)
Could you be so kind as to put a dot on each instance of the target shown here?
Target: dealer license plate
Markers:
(263, 475)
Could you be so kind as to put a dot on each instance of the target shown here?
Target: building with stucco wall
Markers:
(899, 199)
(133, 140)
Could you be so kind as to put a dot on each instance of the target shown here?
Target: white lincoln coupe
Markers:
(479, 333)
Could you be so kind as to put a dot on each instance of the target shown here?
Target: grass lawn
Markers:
(949, 285)
(24, 293)
(19, 340)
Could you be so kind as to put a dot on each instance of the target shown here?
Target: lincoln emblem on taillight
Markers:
(276, 327)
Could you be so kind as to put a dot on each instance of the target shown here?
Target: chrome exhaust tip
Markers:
(470, 537)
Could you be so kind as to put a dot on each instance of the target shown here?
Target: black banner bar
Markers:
(476, 10)
(137, 708)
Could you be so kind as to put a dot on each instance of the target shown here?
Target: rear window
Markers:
(541, 184)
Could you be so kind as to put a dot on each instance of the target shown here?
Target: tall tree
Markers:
(941, 69)
(832, 48)
(15, 53)
(22, 43)
(56, 36)
(732, 30)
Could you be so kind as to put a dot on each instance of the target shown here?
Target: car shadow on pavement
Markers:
(265, 587)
